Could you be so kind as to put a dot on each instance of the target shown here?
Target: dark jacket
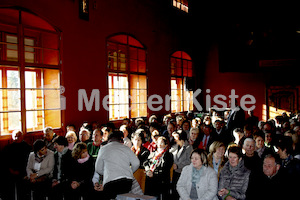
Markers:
(236, 119)
(160, 182)
(143, 156)
(66, 161)
(253, 163)
(82, 172)
(224, 136)
(262, 187)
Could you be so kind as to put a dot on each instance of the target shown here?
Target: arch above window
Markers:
(181, 64)
(182, 55)
(125, 39)
(16, 15)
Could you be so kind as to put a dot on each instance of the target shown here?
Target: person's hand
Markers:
(175, 166)
(33, 177)
(98, 187)
(223, 192)
(230, 198)
(74, 185)
(149, 173)
(54, 183)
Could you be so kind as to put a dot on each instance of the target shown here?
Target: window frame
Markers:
(22, 65)
(128, 46)
(180, 77)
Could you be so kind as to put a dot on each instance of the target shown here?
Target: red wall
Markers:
(242, 83)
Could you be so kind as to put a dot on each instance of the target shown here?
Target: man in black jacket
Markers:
(271, 182)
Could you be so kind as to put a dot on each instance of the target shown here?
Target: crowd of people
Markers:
(181, 156)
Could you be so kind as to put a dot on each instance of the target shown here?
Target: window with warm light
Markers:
(29, 72)
(181, 70)
(182, 5)
(127, 79)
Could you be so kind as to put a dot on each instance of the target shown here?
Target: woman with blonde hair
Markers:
(216, 157)
(72, 139)
(81, 173)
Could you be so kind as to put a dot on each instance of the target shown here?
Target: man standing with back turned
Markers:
(117, 163)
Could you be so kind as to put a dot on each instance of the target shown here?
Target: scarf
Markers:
(71, 145)
(136, 151)
(83, 160)
(196, 175)
(38, 158)
(156, 159)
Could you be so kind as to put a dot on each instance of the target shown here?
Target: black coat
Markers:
(66, 165)
(236, 119)
(262, 187)
(160, 182)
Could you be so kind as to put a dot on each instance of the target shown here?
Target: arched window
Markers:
(181, 72)
(127, 79)
(29, 72)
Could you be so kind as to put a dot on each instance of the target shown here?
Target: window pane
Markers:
(112, 60)
(134, 110)
(53, 118)
(30, 79)
(34, 120)
(29, 57)
(14, 121)
(142, 66)
(141, 54)
(123, 82)
(12, 48)
(138, 110)
(50, 40)
(13, 80)
(143, 82)
(29, 50)
(143, 96)
(111, 112)
(124, 111)
(118, 94)
(9, 122)
(134, 81)
(134, 96)
(52, 99)
(123, 96)
(122, 57)
(133, 66)
(133, 53)
(111, 94)
(51, 78)
(143, 110)
(13, 99)
(50, 57)
(31, 99)
(41, 47)
(173, 66)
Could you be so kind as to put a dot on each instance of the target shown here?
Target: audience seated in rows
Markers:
(162, 166)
